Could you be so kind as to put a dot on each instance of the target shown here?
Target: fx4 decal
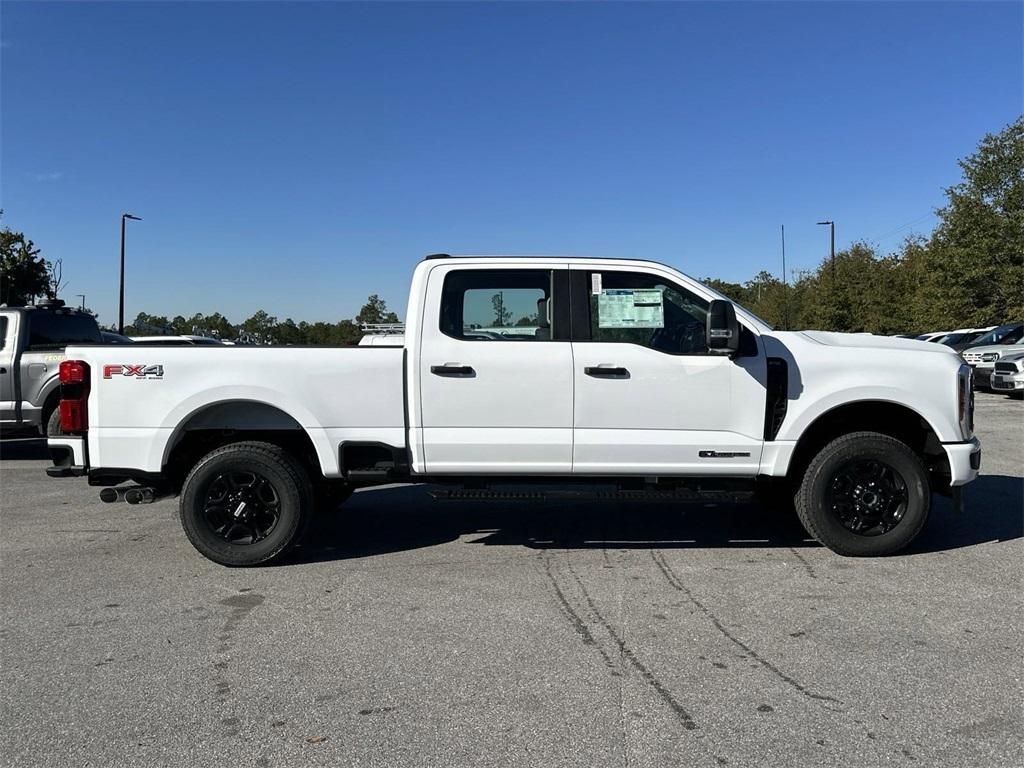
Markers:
(136, 371)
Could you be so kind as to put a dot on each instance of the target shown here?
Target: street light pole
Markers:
(82, 297)
(832, 250)
(120, 303)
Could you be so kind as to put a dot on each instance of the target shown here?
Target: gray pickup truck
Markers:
(32, 342)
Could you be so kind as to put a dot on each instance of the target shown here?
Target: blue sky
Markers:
(296, 157)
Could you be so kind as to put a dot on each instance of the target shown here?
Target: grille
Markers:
(972, 357)
(1006, 367)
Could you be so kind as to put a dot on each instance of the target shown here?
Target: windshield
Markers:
(1004, 334)
(957, 338)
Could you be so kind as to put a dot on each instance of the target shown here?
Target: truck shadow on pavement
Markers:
(396, 519)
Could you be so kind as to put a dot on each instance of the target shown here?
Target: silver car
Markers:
(32, 342)
(1008, 374)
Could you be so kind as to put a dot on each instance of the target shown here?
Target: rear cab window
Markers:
(56, 330)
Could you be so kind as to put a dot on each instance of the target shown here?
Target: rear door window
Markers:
(497, 305)
(56, 330)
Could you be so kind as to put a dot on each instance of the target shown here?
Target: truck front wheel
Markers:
(864, 494)
(246, 504)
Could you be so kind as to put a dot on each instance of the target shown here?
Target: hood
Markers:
(1006, 349)
(870, 341)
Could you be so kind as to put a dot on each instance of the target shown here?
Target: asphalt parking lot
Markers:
(411, 633)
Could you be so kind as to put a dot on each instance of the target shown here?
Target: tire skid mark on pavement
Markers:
(627, 653)
(676, 583)
(241, 606)
(646, 674)
(872, 736)
(576, 621)
(804, 562)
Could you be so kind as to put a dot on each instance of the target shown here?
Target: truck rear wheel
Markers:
(53, 426)
(864, 494)
(246, 504)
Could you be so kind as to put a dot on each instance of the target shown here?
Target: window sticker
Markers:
(630, 308)
(595, 284)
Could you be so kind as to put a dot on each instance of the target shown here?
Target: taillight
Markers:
(73, 417)
(74, 396)
(73, 372)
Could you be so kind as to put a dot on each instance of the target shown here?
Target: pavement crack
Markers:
(673, 579)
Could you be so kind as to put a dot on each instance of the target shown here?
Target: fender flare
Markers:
(179, 416)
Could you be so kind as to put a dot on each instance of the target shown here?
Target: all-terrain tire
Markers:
(817, 489)
(280, 476)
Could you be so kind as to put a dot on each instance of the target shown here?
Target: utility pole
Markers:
(785, 284)
(832, 250)
(120, 303)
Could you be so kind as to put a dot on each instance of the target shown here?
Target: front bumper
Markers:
(1007, 382)
(964, 461)
(68, 455)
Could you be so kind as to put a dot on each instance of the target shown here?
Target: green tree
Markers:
(260, 327)
(375, 310)
(23, 275)
(502, 316)
(974, 261)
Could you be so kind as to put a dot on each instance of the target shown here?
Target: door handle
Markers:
(452, 369)
(606, 372)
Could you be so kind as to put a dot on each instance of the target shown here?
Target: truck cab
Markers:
(532, 369)
(32, 343)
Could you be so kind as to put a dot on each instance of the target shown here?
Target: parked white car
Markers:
(633, 374)
(983, 360)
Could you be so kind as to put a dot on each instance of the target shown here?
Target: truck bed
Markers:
(142, 397)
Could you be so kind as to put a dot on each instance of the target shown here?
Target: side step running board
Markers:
(676, 494)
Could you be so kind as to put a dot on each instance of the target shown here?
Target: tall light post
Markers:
(832, 250)
(120, 303)
(82, 297)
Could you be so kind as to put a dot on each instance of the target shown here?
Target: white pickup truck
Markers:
(602, 371)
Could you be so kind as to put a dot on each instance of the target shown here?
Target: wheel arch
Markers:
(887, 417)
(48, 397)
(215, 424)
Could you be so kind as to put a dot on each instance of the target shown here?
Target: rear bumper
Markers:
(68, 455)
(964, 461)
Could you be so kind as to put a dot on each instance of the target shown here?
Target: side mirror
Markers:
(723, 332)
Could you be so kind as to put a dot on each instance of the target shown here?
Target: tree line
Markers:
(968, 272)
(264, 328)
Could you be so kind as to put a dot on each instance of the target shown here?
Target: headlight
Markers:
(965, 401)
(989, 357)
